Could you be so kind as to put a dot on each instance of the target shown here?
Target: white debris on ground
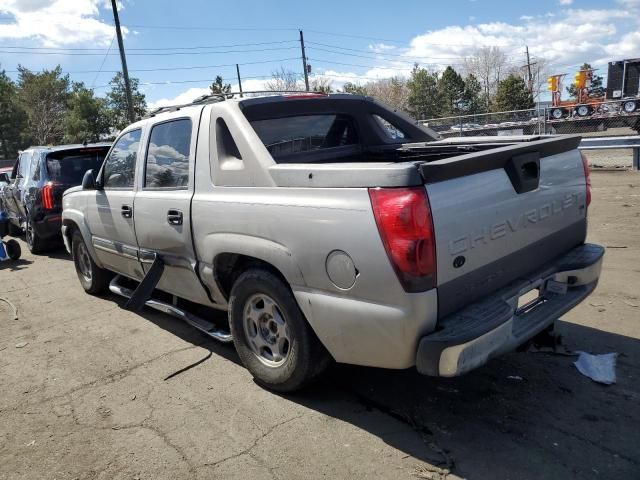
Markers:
(599, 368)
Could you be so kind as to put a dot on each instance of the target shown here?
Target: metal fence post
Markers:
(636, 158)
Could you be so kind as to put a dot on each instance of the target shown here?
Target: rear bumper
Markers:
(469, 337)
(49, 226)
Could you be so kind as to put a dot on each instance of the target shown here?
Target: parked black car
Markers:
(33, 199)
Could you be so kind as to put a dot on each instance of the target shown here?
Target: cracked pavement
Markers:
(99, 392)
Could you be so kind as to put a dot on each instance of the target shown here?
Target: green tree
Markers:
(219, 87)
(321, 84)
(87, 117)
(354, 88)
(472, 100)
(44, 98)
(424, 100)
(451, 90)
(116, 101)
(13, 119)
(512, 94)
(596, 88)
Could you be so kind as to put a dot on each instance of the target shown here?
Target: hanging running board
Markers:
(201, 324)
(145, 288)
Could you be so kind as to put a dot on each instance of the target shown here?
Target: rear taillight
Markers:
(587, 177)
(403, 216)
(47, 196)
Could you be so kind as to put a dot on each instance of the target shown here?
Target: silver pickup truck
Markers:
(332, 227)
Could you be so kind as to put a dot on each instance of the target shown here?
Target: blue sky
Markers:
(354, 41)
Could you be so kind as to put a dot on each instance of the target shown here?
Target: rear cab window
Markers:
(68, 167)
(296, 135)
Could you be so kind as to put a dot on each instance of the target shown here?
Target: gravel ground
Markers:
(89, 390)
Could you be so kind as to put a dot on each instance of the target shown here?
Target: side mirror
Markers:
(89, 180)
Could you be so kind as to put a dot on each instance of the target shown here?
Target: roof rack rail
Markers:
(221, 97)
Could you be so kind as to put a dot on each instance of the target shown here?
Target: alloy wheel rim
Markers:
(84, 262)
(266, 330)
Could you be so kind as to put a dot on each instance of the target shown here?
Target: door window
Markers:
(120, 165)
(167, 163)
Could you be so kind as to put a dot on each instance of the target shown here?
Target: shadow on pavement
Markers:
(14, 265)
(524, 415)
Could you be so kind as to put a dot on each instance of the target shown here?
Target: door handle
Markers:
(174, 217)
(127, 211)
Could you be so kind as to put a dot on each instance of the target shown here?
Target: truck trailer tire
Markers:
(271, 335)
(629, 106)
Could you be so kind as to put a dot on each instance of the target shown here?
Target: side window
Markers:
(24, 165)
(167, 163)
(35, 169)
(16, 169)
(389, 128)
(120, 165)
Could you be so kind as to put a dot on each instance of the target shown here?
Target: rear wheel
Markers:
(13, 249)
(557, 113)
(34, 241)
(271, 335)
(93, 279)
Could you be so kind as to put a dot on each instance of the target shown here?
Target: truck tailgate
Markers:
(501, 213)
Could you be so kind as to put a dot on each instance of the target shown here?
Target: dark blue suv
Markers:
(33, 198)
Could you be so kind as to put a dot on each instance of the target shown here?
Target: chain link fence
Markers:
(596, 119)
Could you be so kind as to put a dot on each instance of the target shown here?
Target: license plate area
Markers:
(529, 300)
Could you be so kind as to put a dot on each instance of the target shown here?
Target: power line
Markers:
(205, 80)
(192, 67)
(154, 53)
(383, 57)
(231, 29)
(431, 44)
(64, 49)
(331, 62)
(103, 60)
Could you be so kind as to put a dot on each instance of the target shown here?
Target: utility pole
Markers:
(123, 58)
(239, 81)
(304, 62)
(529, 68)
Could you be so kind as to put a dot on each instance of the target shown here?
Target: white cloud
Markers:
(565, 2)
(381, 47)
(57, 23)
(565, 39)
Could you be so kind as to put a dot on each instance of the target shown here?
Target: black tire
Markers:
(34, 242)
(14, 230)
(629, 106)
(583, 110)
(306, 357)
(12, 247)
(94, 280)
